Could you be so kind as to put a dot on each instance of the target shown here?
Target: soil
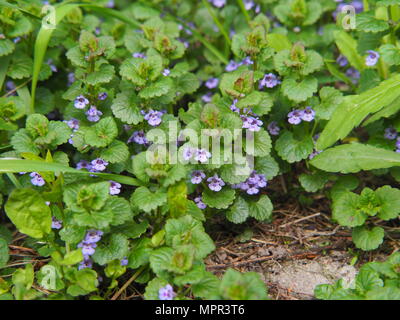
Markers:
(299, 250)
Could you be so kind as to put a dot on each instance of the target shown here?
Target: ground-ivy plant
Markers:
(128, 127)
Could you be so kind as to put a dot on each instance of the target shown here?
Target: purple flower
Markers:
(93, 236)
(124, 261)
(314, 154)
(102, 96)
(248, 4)
(212, 83)
(71, 78)
(354, 74)
(215, 183)
(166, 293)
(166, 72)
(83, 164)
(93, 114)
(308, 114)
(233, 106)
(138, 137)
(197, 176)
(139, 55)
(81, 102)
(153, 117)
(231, 66)
(270, 81)
(37, 179)
(218, 3)
(391, 133)
(51, 65)
(398, 143)
(253, 183)
(273, 128)
(251, 123)
(202, 155)
(115, 188)
(56, 224)
(99, 164)
(200, 204)
(295, 116)
(342, 61)
(73, 124)
(372, 58)
(86, 263)
(88, 248)
(188, 153)
(207, 97)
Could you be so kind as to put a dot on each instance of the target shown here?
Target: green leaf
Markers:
(262, 144)
(348, 47)
(354, 157)
(346, 210)
(146, 200)
(262, 209)
(153, 287)
(219, 200)
(125, 107)
(19, 165)
(390, 54)
(367, 22)
(157, 89)
(293, 150)
(354, 109)
(313, 182)
(103, 75)
(299, 91)
(237, 286)
(368, 239)
(102, 133)
(6, 47)
(29, 212)
(330, 100)
(267, 166)
(367, 280)
(116, 248)
(116, 152)
(389, 200)
(22, 142)
(4, 256)
(188, 231)
(239, 211)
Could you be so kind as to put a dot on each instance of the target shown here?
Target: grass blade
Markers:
(8, 165)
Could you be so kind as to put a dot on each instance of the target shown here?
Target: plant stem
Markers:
(217, 22)
(131, 279)
(244, 11)
(14, 180)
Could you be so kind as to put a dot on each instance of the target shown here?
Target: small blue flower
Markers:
(200, 204)
(294, 117)
(93, 115)
(391, 133)
(212, 83)
(115, 188)
(270, 80)
(88, 248)
(273, 128)
(215, 183)
(124, 261)
(37, 179)
(166, 293)
(308, 114)
(202, 155)
(342, 61)
(166, 72)
(372, 58)
(231, 66)
(93, 236)
(99, 164)
(139, 55)
(81, 102)
(153, 117)
(56, 224)
(251, 123)
(86, 263)
(138, 137)
(218, 3)
(102, 96)
(197, 176)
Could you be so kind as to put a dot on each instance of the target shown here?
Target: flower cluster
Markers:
(92, 114)
(253, 184)
(88, 246)
(297, 116)
(270, 80)
(201, 155)
(37, 179)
